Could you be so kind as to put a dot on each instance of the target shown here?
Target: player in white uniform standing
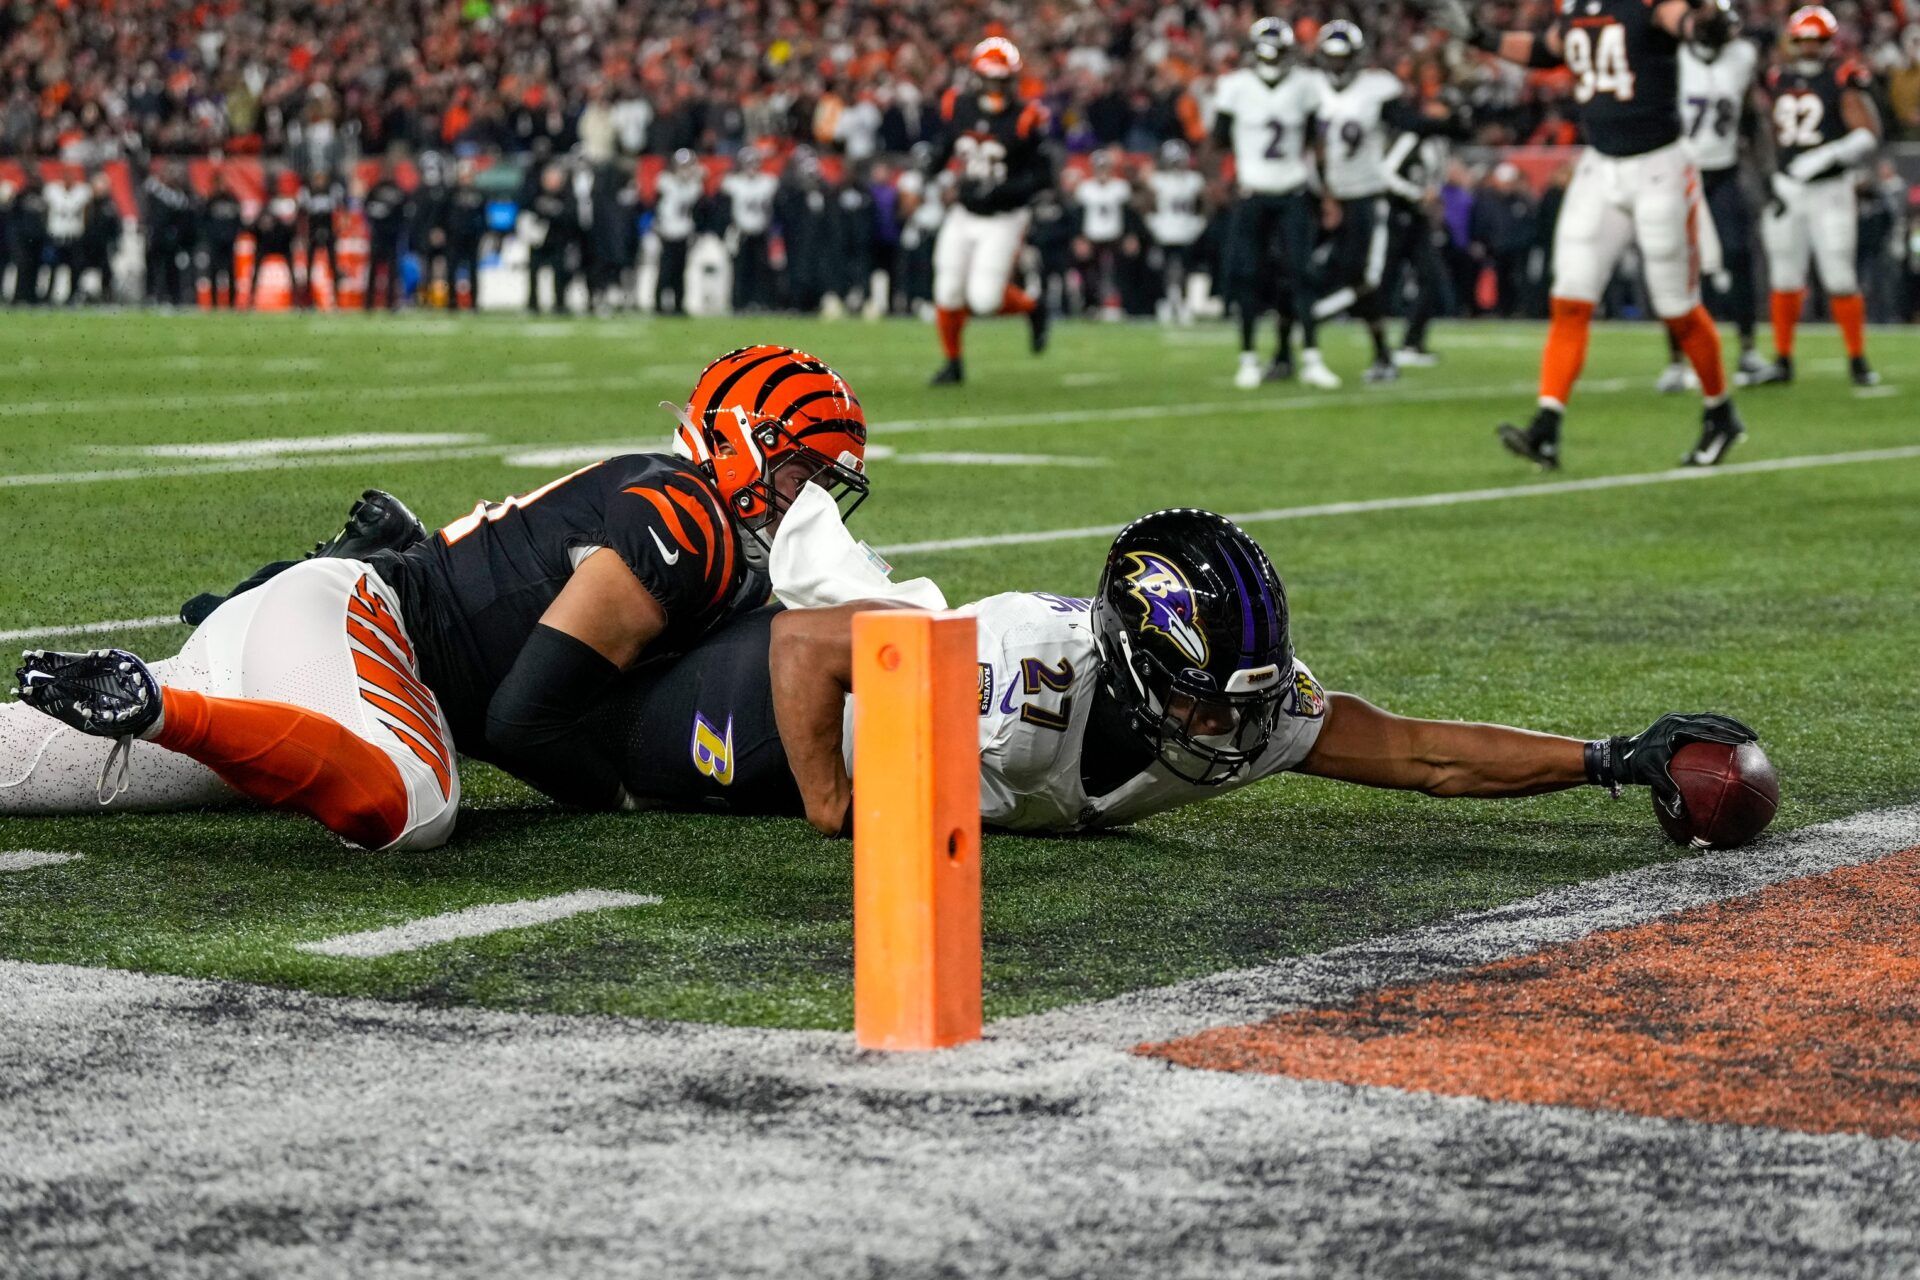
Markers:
(1353, 142)
(676, 197)
(66, 218)
(1635, 184)
(1263, 118)
(1715, 82)
(749, 194)
(1177, 222)
(1177, 683)
(1101, 202)
(1824, 126)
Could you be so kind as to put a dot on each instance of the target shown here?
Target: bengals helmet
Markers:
(764, 422)
(996, 65)
(1809, 35)
(1190, 623)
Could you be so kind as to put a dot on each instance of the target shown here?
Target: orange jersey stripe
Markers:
(421, 694)
(407, 716)
(440, 771)
(379, 674)
(697, 510)
(668, 514)
(381, 616)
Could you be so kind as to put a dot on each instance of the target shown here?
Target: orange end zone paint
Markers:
(1797, 1007)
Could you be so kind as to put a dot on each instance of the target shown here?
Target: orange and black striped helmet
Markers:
(765, 421)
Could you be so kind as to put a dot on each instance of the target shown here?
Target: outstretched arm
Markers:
(1361, 743)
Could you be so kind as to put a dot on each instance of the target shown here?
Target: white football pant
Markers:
(973, 259)
(1815, 221)
(1652, 200)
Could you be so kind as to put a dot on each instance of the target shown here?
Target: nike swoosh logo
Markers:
(38, 675)
(671, 557)
(1006, 700)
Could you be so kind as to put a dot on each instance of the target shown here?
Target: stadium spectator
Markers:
(466, 227)
(170, 217)
(387, 209)
(320, 204)
(219, 232)
(273, 230)
(550, 224)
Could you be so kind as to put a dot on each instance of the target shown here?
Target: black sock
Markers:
(1546, 424)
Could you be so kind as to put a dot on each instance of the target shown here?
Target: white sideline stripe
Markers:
(1413, 502)
(188, 401)
(281, 446)
(92, 628)
(938, 458)
(28, 859)
(473, 922)
(1416, 502)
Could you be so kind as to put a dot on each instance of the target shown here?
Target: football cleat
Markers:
(1749, 368)
(1279, 369)
(1538, 446)
(1247, 376)
(108, 693)
(378, 522)
(1720, 430)
(1777, 374)
(1314, 371)
(1675, 378)
(1862, 373)
(1380, 372)
(1039, 323)
(1415, 358)
(951, 374)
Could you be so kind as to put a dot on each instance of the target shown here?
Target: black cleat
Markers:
(1039, 325)
(1777, 374)
(1381, 372)
(951, 374)
(1543, 452)
(108, 693)
(378, 522)
(1862, 373)
(1281, 370)
(1720, 430)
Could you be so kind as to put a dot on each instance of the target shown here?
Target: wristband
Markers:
(1598, 756)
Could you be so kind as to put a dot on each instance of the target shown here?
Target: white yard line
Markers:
(1413, 502)
(193, 400)
(474, 922)
(285, 446)
(91, 628)
(28, 859)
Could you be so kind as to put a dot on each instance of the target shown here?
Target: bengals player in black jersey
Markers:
(1637, 183)
(998, 140)
(344, 688)
(1824, 127)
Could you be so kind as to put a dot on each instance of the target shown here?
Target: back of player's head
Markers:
(1709, 50)
(1190, 623)
(1341, 50)
(1174, 154)
(764, 422)
(1809, 37)
(1270, 45)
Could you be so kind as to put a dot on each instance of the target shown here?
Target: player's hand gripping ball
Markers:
(1728, 793)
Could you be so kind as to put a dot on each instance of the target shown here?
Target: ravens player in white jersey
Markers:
(1636, 183)
(1263, 118)
(1715, 83)
(1176, 683)
(1178, 220)
(1824, 126)
(1359, 106)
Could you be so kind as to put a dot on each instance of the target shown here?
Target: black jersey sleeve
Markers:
(671, 531)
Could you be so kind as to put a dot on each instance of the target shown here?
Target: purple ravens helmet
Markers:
(1191, 626)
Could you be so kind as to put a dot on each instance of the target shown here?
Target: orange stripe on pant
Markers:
(287, 757)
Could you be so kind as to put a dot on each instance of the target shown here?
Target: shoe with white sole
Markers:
(1675, 378)
(1247, 376)
(1314, 371)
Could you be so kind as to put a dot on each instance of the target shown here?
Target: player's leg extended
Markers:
(1833, 218)
(1593, 231)
(1733, 220)
(1370, 304)
(953, 250)
(990, 287)
(1789, 254)
(1669, 221)
(1242, 262)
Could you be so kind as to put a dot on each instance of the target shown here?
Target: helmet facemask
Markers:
(765, 468)
(1201, 735)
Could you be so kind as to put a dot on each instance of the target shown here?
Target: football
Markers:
(1731, 795)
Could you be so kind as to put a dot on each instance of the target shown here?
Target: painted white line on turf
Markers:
(939, 458)
(1875, 393)
(1087, 379)
(92, 628)
(282, 446)
(474, 922)
(1415, 502)
(28, 859)
(190, 401)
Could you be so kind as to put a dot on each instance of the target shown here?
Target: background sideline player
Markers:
(998, 140)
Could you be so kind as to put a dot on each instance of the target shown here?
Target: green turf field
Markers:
(1788, 597)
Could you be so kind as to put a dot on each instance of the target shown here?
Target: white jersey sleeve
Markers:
(1353, 127)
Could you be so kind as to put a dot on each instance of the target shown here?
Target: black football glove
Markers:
(1646, 759)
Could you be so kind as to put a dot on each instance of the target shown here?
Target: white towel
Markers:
(817, 564)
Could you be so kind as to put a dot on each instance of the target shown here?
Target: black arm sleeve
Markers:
(534, 723)
(1223, 131)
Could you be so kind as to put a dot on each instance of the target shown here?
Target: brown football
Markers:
(1731, 794)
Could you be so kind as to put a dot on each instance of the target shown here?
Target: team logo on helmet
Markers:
(1166, 597)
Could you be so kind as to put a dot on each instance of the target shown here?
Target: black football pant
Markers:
(463, 258)
(672, 278)
(1269, 256)
(554, 263)
(1414, 248)
(1733, 220)
(752, 275)
(383, 264)
(1359, 268)
(219, 271)
(319, 249)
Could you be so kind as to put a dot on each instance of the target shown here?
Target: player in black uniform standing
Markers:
(498, 637)
(466, 229)
(219, 231)
(387, 209)
(427, 236)
(1000, 144)
(1637, 183)
(273, 230)
(319, 202)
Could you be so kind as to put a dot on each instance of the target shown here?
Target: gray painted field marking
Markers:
(1415, 502)
(28, 859)
(1412, 502)
(473, 922)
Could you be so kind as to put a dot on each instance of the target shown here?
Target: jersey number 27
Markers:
(1599, 63)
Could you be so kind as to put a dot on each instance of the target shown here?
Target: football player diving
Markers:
(343, 688)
